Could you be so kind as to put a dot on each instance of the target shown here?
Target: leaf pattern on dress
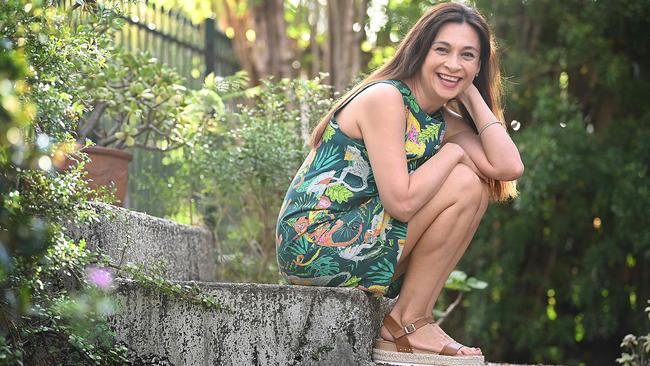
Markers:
(328, 133)
(352, 282)
(430, 133)
(338, 193)
(382, 271)
(327, 158)
(324, 266)
(413, 146)
(415, 107)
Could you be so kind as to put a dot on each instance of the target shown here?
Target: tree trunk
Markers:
(344, 44)
(272, 53)
(314, 7)
(240, 23)
(358, 37)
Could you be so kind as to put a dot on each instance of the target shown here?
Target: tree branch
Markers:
(449, 309)
(91, 121)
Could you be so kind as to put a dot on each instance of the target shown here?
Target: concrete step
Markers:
(256, 325)
(132, 237)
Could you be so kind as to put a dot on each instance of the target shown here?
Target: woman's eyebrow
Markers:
(449, 45)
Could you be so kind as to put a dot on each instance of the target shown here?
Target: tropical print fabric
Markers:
(333, 229)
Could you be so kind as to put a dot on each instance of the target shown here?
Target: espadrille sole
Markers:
(385, 352)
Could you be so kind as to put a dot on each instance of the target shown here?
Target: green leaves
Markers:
(328, 133)
(338, 193)
(240, 162)
(382, 272)
(140, 102)
(459, 281)
(430, 133)
(44, 65)
(352, 282)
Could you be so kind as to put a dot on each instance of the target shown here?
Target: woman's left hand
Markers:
(469, 97)
(494, 152)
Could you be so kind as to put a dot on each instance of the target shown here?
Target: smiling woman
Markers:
(454, 60)
(397, 182)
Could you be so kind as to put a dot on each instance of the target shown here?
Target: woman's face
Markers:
(453, 60)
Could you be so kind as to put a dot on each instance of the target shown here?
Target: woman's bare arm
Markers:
(494, 152)
(380, 115)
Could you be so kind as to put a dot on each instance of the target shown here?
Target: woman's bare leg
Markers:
(462, 248)
(459, 253)
(436, 236)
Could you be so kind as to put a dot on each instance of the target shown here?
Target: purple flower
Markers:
(413, 134)
(99, 277)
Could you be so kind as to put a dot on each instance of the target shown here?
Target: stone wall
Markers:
(132, 237)
(257, 325)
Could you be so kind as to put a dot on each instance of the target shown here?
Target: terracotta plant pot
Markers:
(109, 168)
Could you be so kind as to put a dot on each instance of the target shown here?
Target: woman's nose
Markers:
(452, 63)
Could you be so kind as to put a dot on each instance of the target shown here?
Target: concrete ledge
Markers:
(187, 252)
(258, 325)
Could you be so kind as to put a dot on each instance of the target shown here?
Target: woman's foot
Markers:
(431, 338)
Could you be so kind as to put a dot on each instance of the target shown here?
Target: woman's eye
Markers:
(441, 50)
(469, 56)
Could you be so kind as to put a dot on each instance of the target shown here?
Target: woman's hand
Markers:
(465, 159)
(470, 97)
(470, 163)
(493, 151)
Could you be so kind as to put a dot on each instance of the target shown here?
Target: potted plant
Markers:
(136, 102)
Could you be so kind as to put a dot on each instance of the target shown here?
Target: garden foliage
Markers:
(244, 166)
(48, 305)
(567, 262)
(137, 101)
(54, 292)
(636, 349)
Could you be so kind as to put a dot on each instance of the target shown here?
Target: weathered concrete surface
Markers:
(488, 364)
(258, 325)
(132, 237)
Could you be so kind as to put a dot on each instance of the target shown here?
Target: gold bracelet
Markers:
(486, 126)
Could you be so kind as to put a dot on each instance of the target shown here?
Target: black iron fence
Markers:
(194, 50)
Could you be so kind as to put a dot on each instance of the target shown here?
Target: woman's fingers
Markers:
(470, 163)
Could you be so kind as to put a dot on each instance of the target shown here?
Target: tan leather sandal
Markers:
(400, 351)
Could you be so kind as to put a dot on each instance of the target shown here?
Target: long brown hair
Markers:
(410, 55)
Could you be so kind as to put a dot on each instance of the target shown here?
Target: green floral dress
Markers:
(333, 229)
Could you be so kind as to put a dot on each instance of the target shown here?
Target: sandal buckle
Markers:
(410, 328)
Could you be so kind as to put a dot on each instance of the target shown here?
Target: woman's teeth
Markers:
(452, 79)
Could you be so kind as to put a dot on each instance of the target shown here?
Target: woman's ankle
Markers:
(407, 317)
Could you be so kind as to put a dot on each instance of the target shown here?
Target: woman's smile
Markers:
(449, 67)
(449, 81)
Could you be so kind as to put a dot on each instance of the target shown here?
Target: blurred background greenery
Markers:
(567, 263)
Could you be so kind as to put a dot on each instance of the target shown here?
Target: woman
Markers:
(397, 181)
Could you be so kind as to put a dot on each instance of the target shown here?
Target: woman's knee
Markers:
(466, 184)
